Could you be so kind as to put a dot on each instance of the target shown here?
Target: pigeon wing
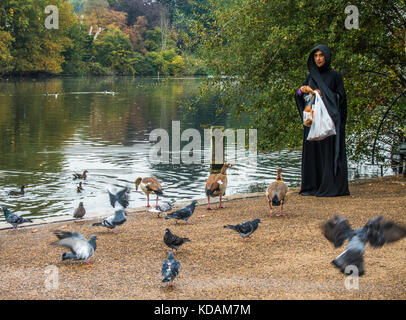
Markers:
(75, 242)
(122, 198)
(337, 230)
(170, 269)
(381, 231)
(113, 198)
(183, 213)
(245, 227)
(118, 218)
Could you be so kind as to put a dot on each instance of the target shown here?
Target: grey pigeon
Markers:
(163, 207)
(80, 211)
(183, 214)
(377, 232)
(13, 218)
(121, 197)
(172, 240)
(80, 248)
(170, 269)
(117, 219)
(245, 229)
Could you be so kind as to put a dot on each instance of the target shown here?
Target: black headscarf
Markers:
(320, 76)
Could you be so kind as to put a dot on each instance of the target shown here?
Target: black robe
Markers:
(324, 163)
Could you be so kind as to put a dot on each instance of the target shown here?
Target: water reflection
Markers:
(82, 125)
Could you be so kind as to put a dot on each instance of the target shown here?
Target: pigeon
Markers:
(80, 211)
(377, 231)
(80, 176)
(164, 207)
(170, 269)
(183, 214)
(117, 219)
(121, 197)
(81, 249)
(18, 193)
(172, 240)
(245, 229)
(13, 218)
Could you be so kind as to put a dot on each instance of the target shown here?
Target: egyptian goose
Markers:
(80, 176)
(149, 185)
(18, 193)
(276, 193)
(216, 185)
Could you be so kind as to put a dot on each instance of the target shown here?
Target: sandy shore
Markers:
(287, 257)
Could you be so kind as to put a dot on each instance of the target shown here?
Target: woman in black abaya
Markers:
(324, 163)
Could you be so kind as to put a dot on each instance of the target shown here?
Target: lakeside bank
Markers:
(286, 258)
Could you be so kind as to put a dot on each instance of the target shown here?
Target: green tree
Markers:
(35, 48)
(113, 49)
(78, 56)
(6, 41)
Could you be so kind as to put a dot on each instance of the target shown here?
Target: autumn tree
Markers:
(34, 48)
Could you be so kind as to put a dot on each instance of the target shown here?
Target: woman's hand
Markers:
(318, 91)
(306, 89)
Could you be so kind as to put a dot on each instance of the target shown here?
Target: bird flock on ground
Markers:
(377, 231)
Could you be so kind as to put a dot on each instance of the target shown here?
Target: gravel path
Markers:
(286, 258)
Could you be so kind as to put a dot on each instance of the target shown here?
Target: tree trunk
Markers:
(164, 14)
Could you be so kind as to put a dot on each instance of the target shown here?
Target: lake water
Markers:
(51, 129)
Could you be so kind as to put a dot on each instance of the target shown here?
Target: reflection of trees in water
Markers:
(31, 123)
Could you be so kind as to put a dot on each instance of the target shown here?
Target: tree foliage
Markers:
(34, 48)
(96, 37)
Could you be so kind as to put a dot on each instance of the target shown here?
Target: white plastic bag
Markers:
(308, 110)
(322, 125)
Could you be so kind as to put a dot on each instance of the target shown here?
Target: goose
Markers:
(80, 176)
(149, 185)
(216, 185)
(18, 193)
(79, 187)
(276, 193)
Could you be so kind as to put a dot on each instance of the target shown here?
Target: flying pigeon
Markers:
(183, 214)
(80, 211)
(170, 269)
(245, 229)
(164, 207)
(80, 248)
(172, 240)
(117, 219)
(121, 197)
(13, 218)
(377, 232)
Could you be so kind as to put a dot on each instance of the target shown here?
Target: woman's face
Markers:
(319, 58)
